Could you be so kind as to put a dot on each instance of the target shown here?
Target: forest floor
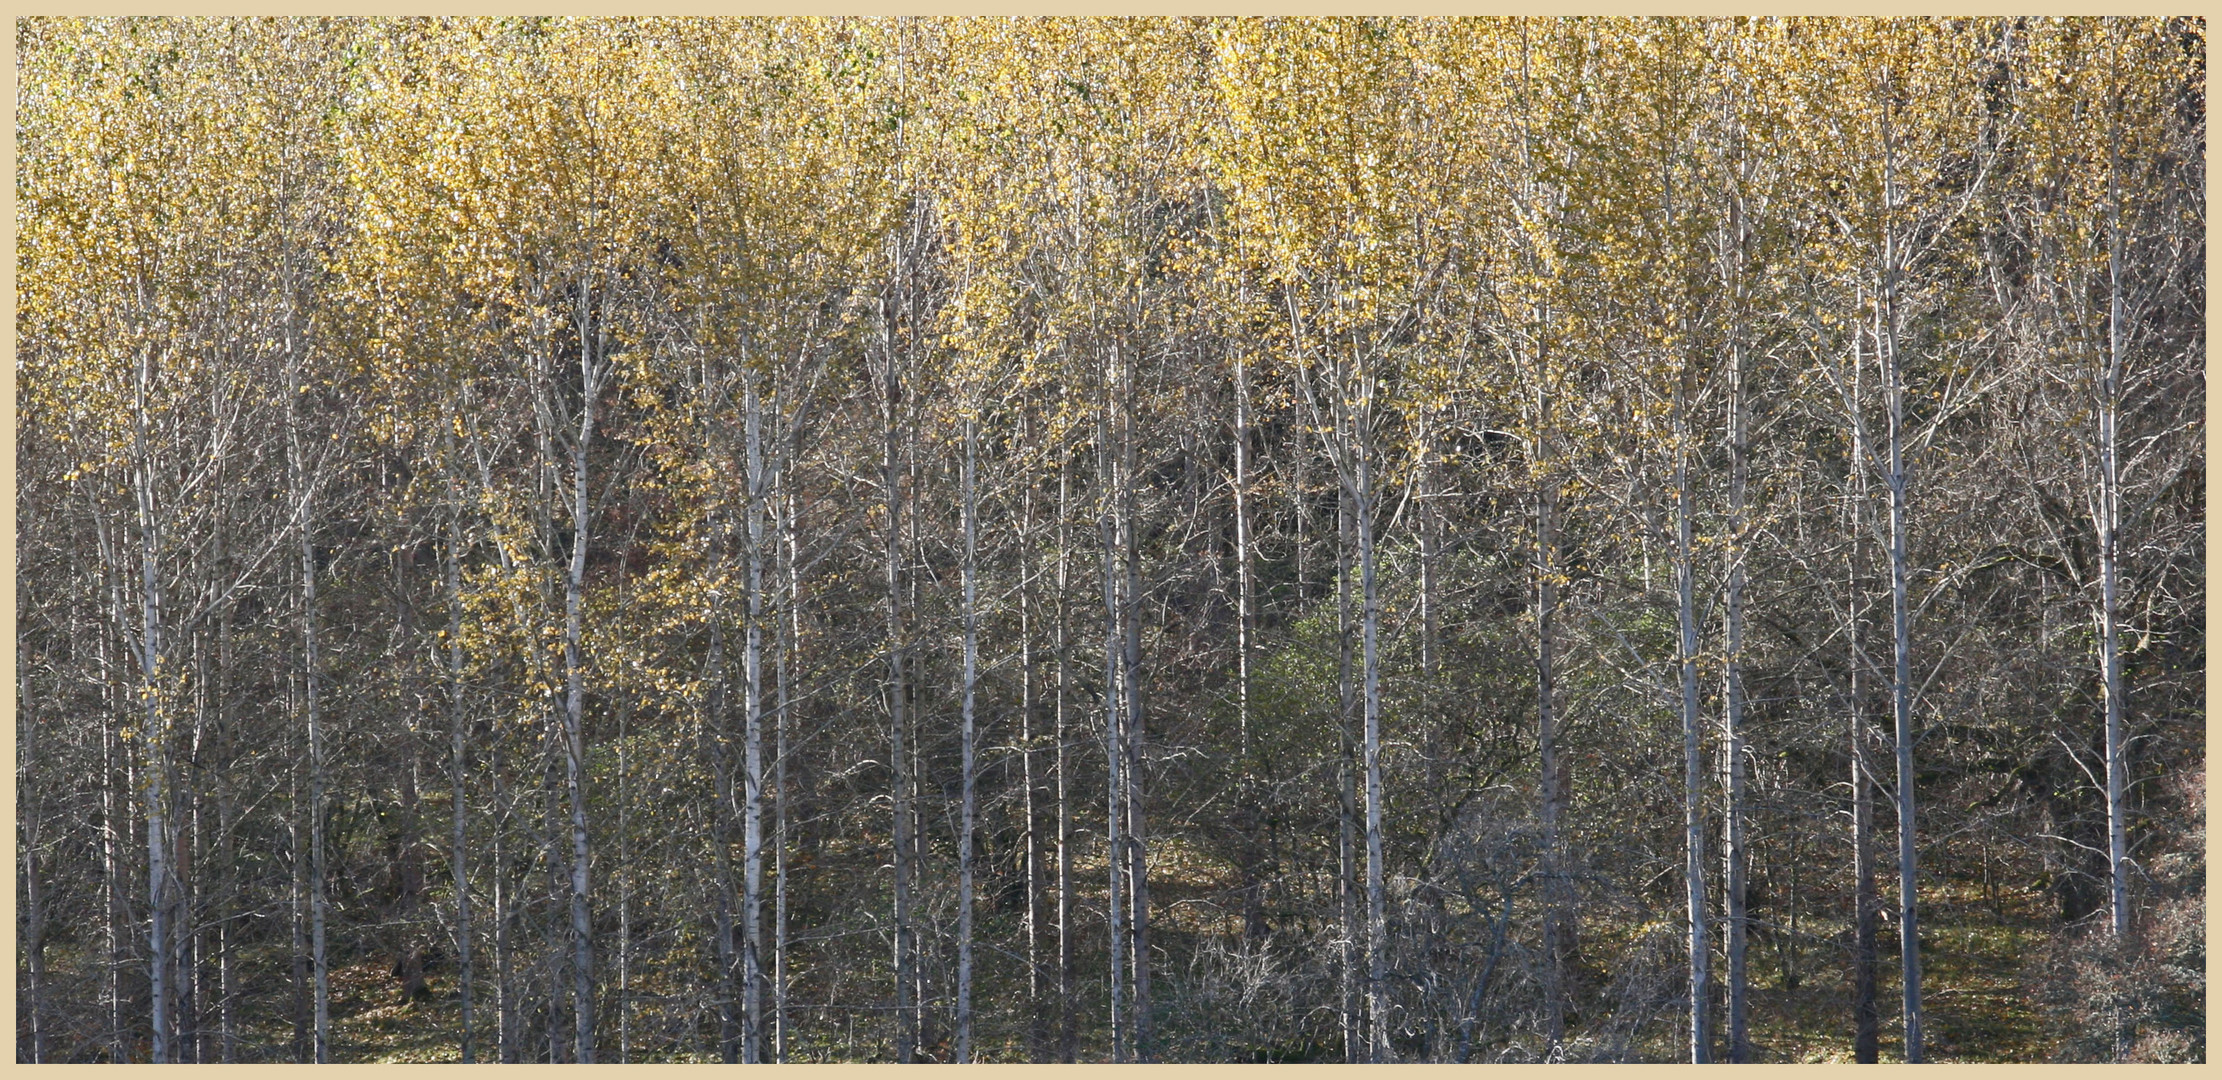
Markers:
(1975, 994)
(1974, 990)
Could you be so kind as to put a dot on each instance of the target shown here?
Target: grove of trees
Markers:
(1110, 539)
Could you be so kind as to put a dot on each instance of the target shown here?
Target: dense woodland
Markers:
(1163, 540)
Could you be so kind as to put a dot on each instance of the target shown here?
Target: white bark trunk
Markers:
(906, 1029)
(1695, 929)
(2109, 540)
(1377, 926)
(752, 772)
(1067, 1020)
(1901, 688)
(574, 712)
(458, 855)
(967, 751)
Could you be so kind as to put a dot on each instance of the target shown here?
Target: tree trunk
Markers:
(154, 733)
(574, 706)
(505, 995)
(1346, 850)
(304, 1049)
(1901, 613)
(227, 818)
(906, 1024)
(730, 1018)
(970, 808)
(1546, 612)
(1697, 938)
(1138, 876)
(304, 489)
(624, 891)
(34, 907)
(2109, 540)
(1036, 1039)
(1068, 1031)
(1377, 926)
(787, 657)
(1734, 856)
(1867, 904)
(752, 807)
(459, 851)
(115, 796)
(1115, 784)
(1242, 551)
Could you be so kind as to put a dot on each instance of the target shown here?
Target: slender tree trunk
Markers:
(1430, 528)
(624, 893)
(1115, 788)
(906, 1023)
(752, 807)
(1546, 612)
(1242, 550)
(505, 994)
(1346, 869)
(2109, 541)
(1697, 938)
(1036, 1038)
(574, 711)
(312, 679)
(1138, 876)
(1068, 1033)
(730, 1018)
(1245, 632)
(227, 816)
(154, 732)
(787, 657)
(115, 797)
(190, 897)
(1377, 925)
(1734, 856)
(970, 808)
(34, 907)
(1115, 784)
(304, 1048)
(1733, 852)
(1901, 613)
(1867, 904)
(459, 850)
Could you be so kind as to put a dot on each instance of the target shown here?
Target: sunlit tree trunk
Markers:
(1028, 778)
(1734, 855)
(1068, 1020)
(1697, 939)
(906, 1023)
(1901, 617)
(1243, 599)
(304, 491)
(1346, 851)
(1115, 788)
(2109, 520)
(788, 659)
(970, 808)
(718, 737)
(1138, 877)
(1866, 903)
(574, 677)
(1377, 925)
(153, 732)
(1546, 613)
(752, 775)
